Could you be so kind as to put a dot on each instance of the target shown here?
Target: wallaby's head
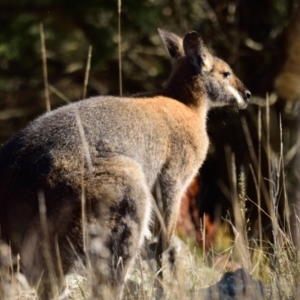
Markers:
(198, 75)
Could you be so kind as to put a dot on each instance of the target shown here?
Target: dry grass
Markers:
(192, 275)
(276, 264)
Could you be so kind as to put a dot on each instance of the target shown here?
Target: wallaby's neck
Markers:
(185, 86)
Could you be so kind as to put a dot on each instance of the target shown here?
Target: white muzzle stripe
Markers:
(235, 94)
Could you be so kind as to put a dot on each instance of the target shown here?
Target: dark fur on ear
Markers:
(172, 42)
(196, 51)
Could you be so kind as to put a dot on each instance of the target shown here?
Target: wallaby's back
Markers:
(81, 181)
(148, 130)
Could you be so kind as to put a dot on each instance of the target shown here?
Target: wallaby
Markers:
(82, 181)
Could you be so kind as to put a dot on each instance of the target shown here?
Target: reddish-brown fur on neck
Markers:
(185, 85)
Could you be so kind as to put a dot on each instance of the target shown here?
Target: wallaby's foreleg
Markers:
(168, 196)
(166, 193)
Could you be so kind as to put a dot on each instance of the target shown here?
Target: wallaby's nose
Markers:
(248, 94)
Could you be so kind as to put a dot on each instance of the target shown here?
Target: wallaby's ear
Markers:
(172, 42)
(196, 51)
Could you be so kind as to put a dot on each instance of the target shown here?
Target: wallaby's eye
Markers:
(226, 74)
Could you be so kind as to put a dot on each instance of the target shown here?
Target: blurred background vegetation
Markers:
(259, 38)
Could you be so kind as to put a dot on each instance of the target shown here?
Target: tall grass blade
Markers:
(45, 70)
(87, 72)
(120, 47)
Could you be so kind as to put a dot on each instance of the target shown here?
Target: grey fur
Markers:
(118, 150)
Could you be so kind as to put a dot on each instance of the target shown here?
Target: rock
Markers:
(238, 285)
